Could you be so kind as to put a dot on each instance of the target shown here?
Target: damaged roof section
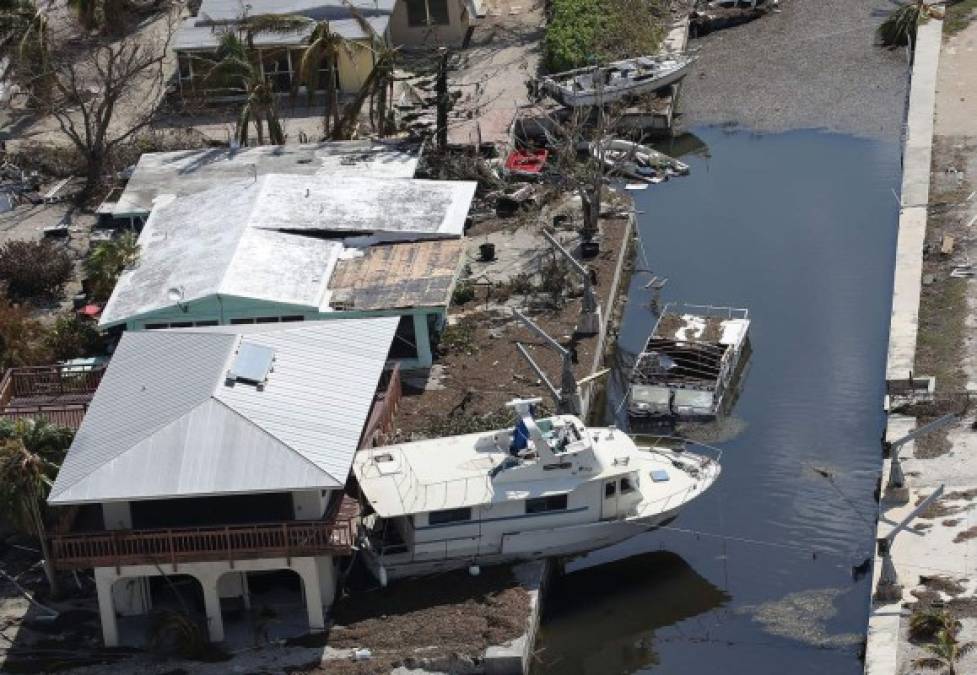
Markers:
(391, 276)
(187, 172)
(279, 239)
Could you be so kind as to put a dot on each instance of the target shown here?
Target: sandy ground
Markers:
(799, 51)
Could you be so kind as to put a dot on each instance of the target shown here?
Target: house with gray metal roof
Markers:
(218, 452)
(268, 251)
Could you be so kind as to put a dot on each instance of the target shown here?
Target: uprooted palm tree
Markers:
(899, 28)
(31, 452)
(945, 653)
(235, 67)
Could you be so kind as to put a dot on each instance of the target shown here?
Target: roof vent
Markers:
(251, 365)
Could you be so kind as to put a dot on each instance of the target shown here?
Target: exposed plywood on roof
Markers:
(398, 275)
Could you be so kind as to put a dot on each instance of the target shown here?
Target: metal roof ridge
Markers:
(151, 432)
(265, 431)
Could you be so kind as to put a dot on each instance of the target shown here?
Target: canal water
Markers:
(800, 228)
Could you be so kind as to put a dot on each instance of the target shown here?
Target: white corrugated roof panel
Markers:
(167, 422)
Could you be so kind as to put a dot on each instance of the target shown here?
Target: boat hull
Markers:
(616, 92)
(518, 547)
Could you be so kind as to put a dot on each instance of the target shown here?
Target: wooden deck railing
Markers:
(385, 406)
(54, 382)
(62, 416)
(193, 544)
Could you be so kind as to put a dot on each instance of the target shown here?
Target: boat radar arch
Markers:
(524, 411)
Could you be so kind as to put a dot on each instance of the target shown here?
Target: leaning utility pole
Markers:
(442, 99)
(590, 315)
(567, 397)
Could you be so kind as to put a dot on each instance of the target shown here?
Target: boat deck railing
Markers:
(717, 311)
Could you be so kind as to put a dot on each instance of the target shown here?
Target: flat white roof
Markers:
(186, 172)
(277, 238)
(169, 420)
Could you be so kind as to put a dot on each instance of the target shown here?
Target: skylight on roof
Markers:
(252, 363)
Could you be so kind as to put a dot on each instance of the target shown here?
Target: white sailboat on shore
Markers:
(543, 488)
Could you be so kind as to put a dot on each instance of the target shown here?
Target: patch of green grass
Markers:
(959, 15)
(582, 32)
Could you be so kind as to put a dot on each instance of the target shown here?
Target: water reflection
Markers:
(800, 228)
(622, 603)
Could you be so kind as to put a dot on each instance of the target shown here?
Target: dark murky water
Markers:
(800, 228)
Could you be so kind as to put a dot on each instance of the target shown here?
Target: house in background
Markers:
(279, 52)
(221, 454)
(434, 22)
(297, 248)
(185, 172)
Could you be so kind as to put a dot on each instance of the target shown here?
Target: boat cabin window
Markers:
(627, 486)
(610, 489)
(449, 516)
(545, 504)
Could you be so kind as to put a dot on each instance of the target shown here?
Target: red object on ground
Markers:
(526, 162)
(90, 310)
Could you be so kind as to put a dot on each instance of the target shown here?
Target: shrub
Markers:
(34, 269)
(72, 337)
(106, 262)
(581, 32)
(21, 337)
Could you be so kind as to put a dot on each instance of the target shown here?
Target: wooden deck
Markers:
(58, 394)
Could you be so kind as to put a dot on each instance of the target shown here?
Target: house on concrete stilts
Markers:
(216, 457)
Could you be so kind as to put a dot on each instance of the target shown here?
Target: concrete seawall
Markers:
(881, 656)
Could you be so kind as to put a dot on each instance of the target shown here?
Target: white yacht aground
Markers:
(546, 487)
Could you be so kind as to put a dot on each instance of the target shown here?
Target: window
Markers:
(267, 319)
(180, 324)
(545, 504)
(449, 516)
(626, 486)
(427, 13)
(292, 318)
(238, 322)
(610, 489)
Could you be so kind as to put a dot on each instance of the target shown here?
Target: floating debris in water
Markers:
(804, 617)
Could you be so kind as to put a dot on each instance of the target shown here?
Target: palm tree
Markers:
(107, 260)
(322, 52)
(945, 653)
(899, 28)
(31, 452)
(24, 43)
(235, 67)
(376, 86)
